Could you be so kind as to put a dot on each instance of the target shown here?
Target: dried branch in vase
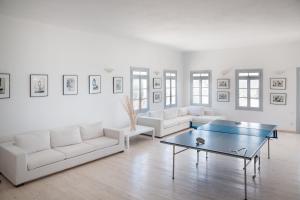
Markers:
(128, 106)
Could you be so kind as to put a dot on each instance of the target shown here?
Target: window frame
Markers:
(248, 78)
(132, 76)
(165, 89)
(200, 95)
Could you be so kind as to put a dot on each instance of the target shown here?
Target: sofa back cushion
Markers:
(183, 111)
(156, 113)
(170, 113)
(65, 136)
(91, 131)
(33, 141)
(196, 110)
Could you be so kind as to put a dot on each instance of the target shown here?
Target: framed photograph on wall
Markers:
(277, 83)
(38, 85)
(157, 97)
(156, 83)
(94, 84)
(223, 83)
(70, 84)
(4, 85)
(223, 96)
(278, 98)
(117, 85)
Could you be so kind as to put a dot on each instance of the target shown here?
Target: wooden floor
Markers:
(144, 172)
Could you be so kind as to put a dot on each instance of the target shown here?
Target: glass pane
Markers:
(144, 94)
(243, 84)
(136, 84)
(254, 74)
(254, 93)
(204, 99)
(205, 91)
(196, 75)
(168, 92)
(243, 102)
(254, 83)
(204, 83)
(196, 91)
(196, 99)
(168, 83)
(196, 83)
(173, 74)
(243, 74)
(173, 83)
(173, 91)
(243, 93)
(143, 73)
(168, 101)
(136, 94)
(204, 74)
(254, 103)
(136, 104)
(136, 73)
(144, 104)
(173, 100)
(144, 83)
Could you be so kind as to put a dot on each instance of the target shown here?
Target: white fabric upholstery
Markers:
(206, 118)
(42, 158)
(90, 131)
(65, 136)
(196, 110)
(183, 119)
(156, 114)
(183, 111)
(33, 141)
(102, 142)
(170, 123)
(170, 114)
(75, 149)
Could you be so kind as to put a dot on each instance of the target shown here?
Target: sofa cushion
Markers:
(90, 131)
(75, 149)
(65, 136)
(170, 123)
(206, 118)
(170, 113)
(184, 119)
(42, 158)
(102, 142)
(33, 141)
(196, 110)
(183, 111)
(156, 113)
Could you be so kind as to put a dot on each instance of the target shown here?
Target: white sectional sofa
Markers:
(172, 120)
(36, 154)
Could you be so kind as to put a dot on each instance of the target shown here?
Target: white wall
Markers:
(272, 60)
(28, 47)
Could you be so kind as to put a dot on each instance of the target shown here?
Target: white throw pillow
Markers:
(91, 131)
(170, 113)
(183, 111)
(196, 111)
(65, 136)
(33, 141)
(156, 114)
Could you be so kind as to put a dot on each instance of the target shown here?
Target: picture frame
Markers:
(156, 83)
(117, 85)
(157, 97)
(223, 83)
(94, 84)
(38, 85)
(278, 98)
(4, 85)
(70, 84)
(277, 83)
(223, 96)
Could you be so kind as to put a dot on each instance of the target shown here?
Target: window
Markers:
(140, 89)
(201, 88)
(249, 89)
(170, 88)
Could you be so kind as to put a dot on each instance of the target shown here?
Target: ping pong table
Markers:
(242, 140)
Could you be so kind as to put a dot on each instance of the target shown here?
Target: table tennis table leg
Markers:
(206, 155)
(173, 162)
(268, 148)
(245, 178)
(197, 158)
(259, 163)
(255, 160)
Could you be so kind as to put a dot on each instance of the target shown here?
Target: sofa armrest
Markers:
(13, 162)
(156, 123)
(114, 133)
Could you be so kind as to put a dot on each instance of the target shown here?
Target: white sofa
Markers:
(36, 154)
(172, 120)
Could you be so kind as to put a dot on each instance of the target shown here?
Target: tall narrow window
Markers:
(249, 89)
(140, 89)
(201, 88)
(170, 88)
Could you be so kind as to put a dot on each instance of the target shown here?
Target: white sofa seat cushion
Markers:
(156, 114)
(184, 119)
(170, 113)
(196, 110)
(170, 123)
(206, 118)
(183, 111)
(65, 136)
(102, 142)
(42, 158)
(75, 149)
(90, 131)
(33, 141)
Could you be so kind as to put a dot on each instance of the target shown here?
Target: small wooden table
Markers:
(139, 130)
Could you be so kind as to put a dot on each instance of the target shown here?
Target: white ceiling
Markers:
(185, 24)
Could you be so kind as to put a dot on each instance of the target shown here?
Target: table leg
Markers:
(259, 163)
(268, 148)
(245, 178)
(255, 159)
(197, 158)
(206, 155)
(173, 162)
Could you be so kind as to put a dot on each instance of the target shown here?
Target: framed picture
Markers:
(38, 85)
(223, 83)
(4, 85)
(223, 96)
(157, 97)
(277, 83)
(156, 83)
(94, 84)
(117, 85)
(278, 98)
(70, 84)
